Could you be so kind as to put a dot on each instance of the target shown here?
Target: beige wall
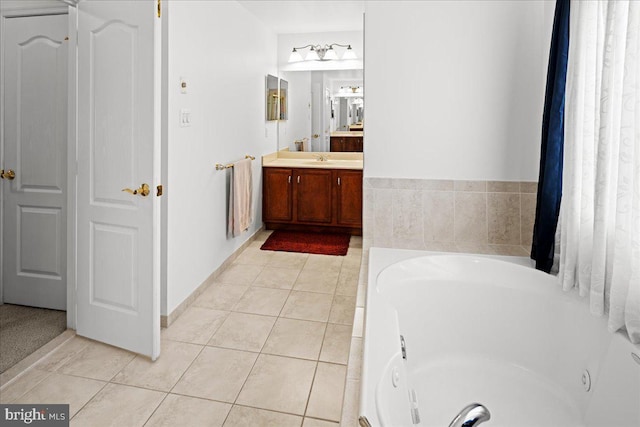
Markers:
(448, 215)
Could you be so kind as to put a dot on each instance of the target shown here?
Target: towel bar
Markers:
(220, 166)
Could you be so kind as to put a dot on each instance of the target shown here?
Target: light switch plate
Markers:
(185, 117)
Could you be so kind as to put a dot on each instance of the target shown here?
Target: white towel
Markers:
(240, 194)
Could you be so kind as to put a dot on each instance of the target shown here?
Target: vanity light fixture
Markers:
(350, 92)
(321, 53)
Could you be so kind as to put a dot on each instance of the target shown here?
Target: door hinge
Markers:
(415, 409)
(159, 8)
(158, 190)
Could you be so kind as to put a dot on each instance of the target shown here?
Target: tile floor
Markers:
(267, 344)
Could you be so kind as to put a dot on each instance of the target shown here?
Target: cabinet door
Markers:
(313, 193)
(357, 144)
(349, 184)
(336, 144)
(277, 199)
(352, 144)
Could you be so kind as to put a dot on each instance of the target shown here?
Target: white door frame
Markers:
(72, 164)
(54, 7)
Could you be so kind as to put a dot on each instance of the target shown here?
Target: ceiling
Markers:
(302, 16)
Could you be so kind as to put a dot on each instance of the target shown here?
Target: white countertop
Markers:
(289, 159)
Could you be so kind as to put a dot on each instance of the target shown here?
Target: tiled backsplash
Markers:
(447, 215)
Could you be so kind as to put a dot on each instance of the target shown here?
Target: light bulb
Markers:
(295, 56)
(312, 55)
(349, 54)
(330, 54)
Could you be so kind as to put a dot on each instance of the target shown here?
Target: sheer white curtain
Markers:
(600, 208)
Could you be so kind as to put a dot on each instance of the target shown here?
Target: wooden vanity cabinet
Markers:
(312, 199)
(349, 190)
(346, 144)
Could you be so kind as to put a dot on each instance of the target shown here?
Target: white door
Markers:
(34, 183)
(326, 118)
(316, 118)
(118, 291)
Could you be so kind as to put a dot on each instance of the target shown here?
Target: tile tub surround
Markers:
(259, 347)
(494, 217)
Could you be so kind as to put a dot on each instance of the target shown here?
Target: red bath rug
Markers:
(309, 243)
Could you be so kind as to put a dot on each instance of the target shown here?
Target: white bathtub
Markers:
(490, 330)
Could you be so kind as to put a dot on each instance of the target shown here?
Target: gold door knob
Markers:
(10, 174)
(315, 135)
(143, 190)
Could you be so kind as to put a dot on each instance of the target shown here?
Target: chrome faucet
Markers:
(321, 157)
(471, 415)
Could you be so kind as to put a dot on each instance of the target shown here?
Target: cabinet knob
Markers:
(289, 179)
(338, 180)
(298, 179)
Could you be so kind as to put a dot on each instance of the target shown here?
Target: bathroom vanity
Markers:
(302, 192)
(342, 141)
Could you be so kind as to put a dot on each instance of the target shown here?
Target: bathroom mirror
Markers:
(347, 108)
(284, 88)
(321, 103)
(272, 97)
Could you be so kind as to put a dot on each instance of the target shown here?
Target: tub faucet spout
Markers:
(471, 415)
